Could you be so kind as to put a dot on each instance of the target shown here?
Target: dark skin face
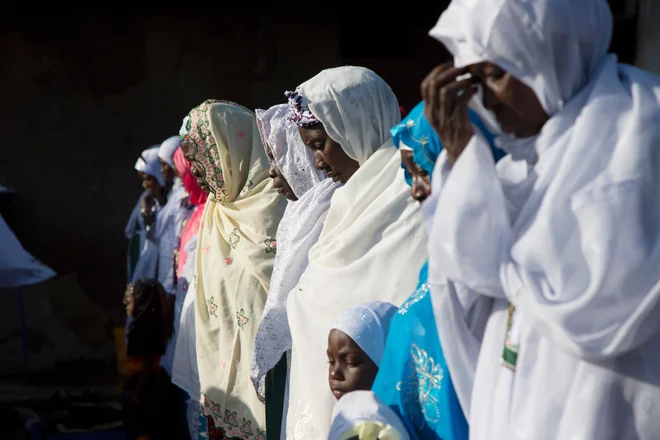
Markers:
(421, 181)
(279, 182)
(328, 154)
(515, 105)
(167, 172)
(150, 184)
(195, 168)
(349, 368)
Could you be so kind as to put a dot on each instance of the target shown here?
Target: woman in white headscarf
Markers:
(562, 232)
(235, 255)
(372, 244)
(308, 192)
(141, 220)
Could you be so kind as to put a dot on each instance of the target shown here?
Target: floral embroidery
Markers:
(230, 418)
(260, 435)
(184, 285)
(234, 238)
(242, 319)
(302, 415)
(271, 245)
(228, 261)
(414, 298)
(215, 410)
(213, 307)
(246, 427)
(224, 364)
(240, 134)
(205, 248)
(420, 388)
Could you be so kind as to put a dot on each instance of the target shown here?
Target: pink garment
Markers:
(197, 198)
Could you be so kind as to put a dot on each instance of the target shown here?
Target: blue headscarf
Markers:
(413, 378)
(416, 132)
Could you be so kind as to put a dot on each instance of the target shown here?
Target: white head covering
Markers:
(373, 240)
(167, 150)
(298, 231)
(353, 90)
(554, 50)
(291, 156)
(368, 324)
(363, 415)
(148, 163)
(565, 233)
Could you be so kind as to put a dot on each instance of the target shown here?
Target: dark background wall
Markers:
(82, 93)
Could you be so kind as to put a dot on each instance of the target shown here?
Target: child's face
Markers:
(349, 368)
(129, 301)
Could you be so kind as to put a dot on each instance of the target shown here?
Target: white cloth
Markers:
(298, 231)
(354, 409)
(148, 163)
(367, 325)
(17, 266)
(167, 149)
(169, 223)
(294, 160)
(372, 244)
(570, 238)
(184, 367)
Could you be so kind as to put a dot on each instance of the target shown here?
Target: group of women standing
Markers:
(485, 268)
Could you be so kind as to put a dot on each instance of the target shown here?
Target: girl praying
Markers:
(355, 346)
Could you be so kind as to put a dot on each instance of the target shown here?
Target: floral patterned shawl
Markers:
(235, 255)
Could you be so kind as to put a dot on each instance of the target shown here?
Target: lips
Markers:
(337, 392)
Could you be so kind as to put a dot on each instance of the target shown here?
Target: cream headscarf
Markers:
(235, 255)
(372, 244)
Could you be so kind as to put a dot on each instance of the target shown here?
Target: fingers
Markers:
(450, 97)
(430, 78)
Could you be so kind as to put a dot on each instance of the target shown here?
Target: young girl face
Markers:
(349, 368)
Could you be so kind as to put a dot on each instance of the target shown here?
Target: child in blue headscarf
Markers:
(413, 378)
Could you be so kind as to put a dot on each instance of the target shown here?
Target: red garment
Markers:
(197, 198)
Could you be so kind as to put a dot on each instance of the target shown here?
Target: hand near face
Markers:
(446, 107)
(146, 209)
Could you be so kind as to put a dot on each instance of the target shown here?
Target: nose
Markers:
(271, 171)
(336, 373)
(319, 162)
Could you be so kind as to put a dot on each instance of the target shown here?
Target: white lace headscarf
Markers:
(295, 161)
(298, 231)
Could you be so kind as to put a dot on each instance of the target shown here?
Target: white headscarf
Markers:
(367, 325)
(372, 244)
(359, 137)
(167, 149)
(361, 414)
(569, 234)
(298, 231)
(295, 161)
(148, 164)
